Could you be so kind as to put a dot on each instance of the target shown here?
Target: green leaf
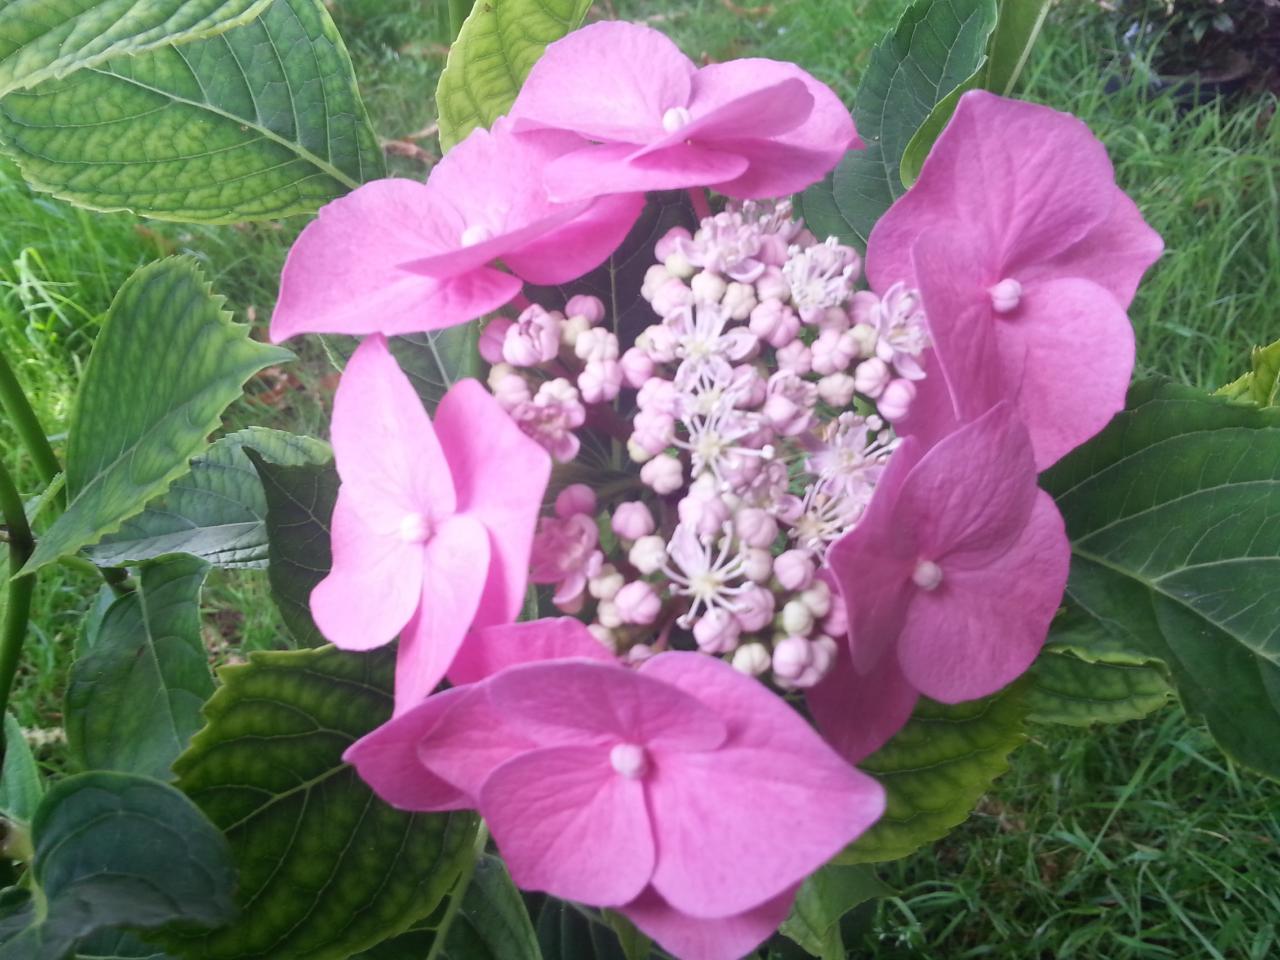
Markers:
(497, 47)
(40, 39)
(935, 770)
(824, 898)
(118, 945)
(1172, 514)
(570, 932)
(1066, 689)
(433, 361)
(257, 123)
(118, 850)
(217, 511)
(492, 922)
(922, 142)
(936, 46)
(299, 507)
(21, 786)
(134, 700)
(1261, 385)
(167, 362)
(326, 868)
(1016, 33)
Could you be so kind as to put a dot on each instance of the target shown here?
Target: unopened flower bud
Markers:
(638, 603)
(659, 342)
(663, 474)
(772, 285)
(706, 514)
(608, 639)
(648, 554)
(795, 357)
(533, 339)
(672, 297)
(755, 527)
(791, 656)
(708, 287)
(864, 309)
(639, 653)
(584, 305)
(670, 242)
(774, 322)
(837, 390)
(817, 598)
(833, 352)
(717, 631)
(511, 389)
(653, 431)
(837, 620)
(794, 570)
(654, 278)
(491, 339)
(632, 520)
(754, 608)
(572, 329)
(575, 498)
(596, 343)
(757, 564)
(894, 403)
(796, 618)
(600, 381)
(605, 584)
(871, 377)
(751, 659)
(739, 300)
(608, 614)
(833, 319)
(637, 368)
(750, 387)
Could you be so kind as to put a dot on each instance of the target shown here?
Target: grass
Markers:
(1134, 841)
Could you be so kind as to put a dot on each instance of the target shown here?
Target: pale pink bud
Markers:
(788, 508)
(772, 285)
(658, 396)
(491, 339)
(739, 300)
(605, 584)
(533, 339)
(575, 498)
(837, 389)
(796, 618)
(672, 297)
(774, 322)
(639, 653)
(572, 329)
(833, 318)
(632, 520)
(670, 242)
(708, 287)
(600, 381)
(794, 569)
(678, 265)
(510, 389)
(795, 357)
(653, 431)
(833, 352)
(864, 308)
(654, 278)
(717, 631)
(817, 598)
(706, 514)
(584, 305)
(867, 338)
(871, 377)
(752, 659)
(637, 368)
(596, 344)
(754, 608)
(896, 399)
(648, 554)
(757, 564)
(755, 527)
(608, 614)
(750, 387)
(791, 656)
(659, 342)
(663, 474)
(836, 622)
(773, 250)
(608, 639)
(638, 603)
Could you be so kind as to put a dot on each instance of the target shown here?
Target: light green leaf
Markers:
(935, 770)
(498, 46)
(1016, 33)
(134, 700)
(1066, 689)
(257, 123)
(217, 511)
(433, 361)
(117, 850)
(1173, 516)
(936, 46)
(824, 898)
(167, 362)
(21, 786)
(326, 868)
(42, 39)
(918, 149)
(492, 922)
(299, 506)
(1261, 385)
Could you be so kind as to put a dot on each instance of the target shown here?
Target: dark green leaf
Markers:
(257, 123)
(1172, 514)
(492, 923)
(167, 362)
(299, 506)
(497, 47)
(568, 932)
(21, 786)
(936, 46)
(433, 361)
(217, 511)
(40, 39)
(936, 768)
(326, 868)
(1016, 32)
(118, 850)
(1066, 689)
(134, 700)
(118, 945)
(824, 898)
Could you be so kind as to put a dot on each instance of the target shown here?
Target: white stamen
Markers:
(927, 575)
(415, 528)
(675, 118)
(1006, 295)
(629, 760)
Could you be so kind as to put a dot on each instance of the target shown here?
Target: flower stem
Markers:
(28, 426)
(459, 892)
(701, 205)
(21, 545)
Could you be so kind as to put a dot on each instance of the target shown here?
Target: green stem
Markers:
(459, 891)
(458, 12)
(117, 578)
(28, 426)
(21, 545)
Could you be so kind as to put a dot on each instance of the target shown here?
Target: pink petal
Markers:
(373, 587)
(491, 649)
(342, 275)
(580, 245)
(1029, 180)
(725, 820)
(1079, 357)
(387, 759)
(776, 169)
(469, 740)
(932, 413)
(576, 701)
(609, 81)
(455, 568)
(459, 260)
(500, 475)
(981, 628)
(858, 713)
(611, 168)
(724, 938)
(567, 824)
(765, 109)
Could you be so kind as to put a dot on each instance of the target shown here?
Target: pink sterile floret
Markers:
(433, 523)
(949, 580)
(666, 792)
(748, 128)
(397, 256)
(1026, 255)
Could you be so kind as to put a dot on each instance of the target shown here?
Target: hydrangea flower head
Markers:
(434, 521)
(397, 256)
(748, 128)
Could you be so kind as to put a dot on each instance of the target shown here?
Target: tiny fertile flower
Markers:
(434, 521)
(1026, 255)
(748, 128)
(397, 256)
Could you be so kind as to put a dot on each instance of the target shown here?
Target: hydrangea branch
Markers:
(28, 426)
(18, 608)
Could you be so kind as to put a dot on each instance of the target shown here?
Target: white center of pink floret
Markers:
(629, 760)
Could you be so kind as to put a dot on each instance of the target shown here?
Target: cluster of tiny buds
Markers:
(758, 406)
